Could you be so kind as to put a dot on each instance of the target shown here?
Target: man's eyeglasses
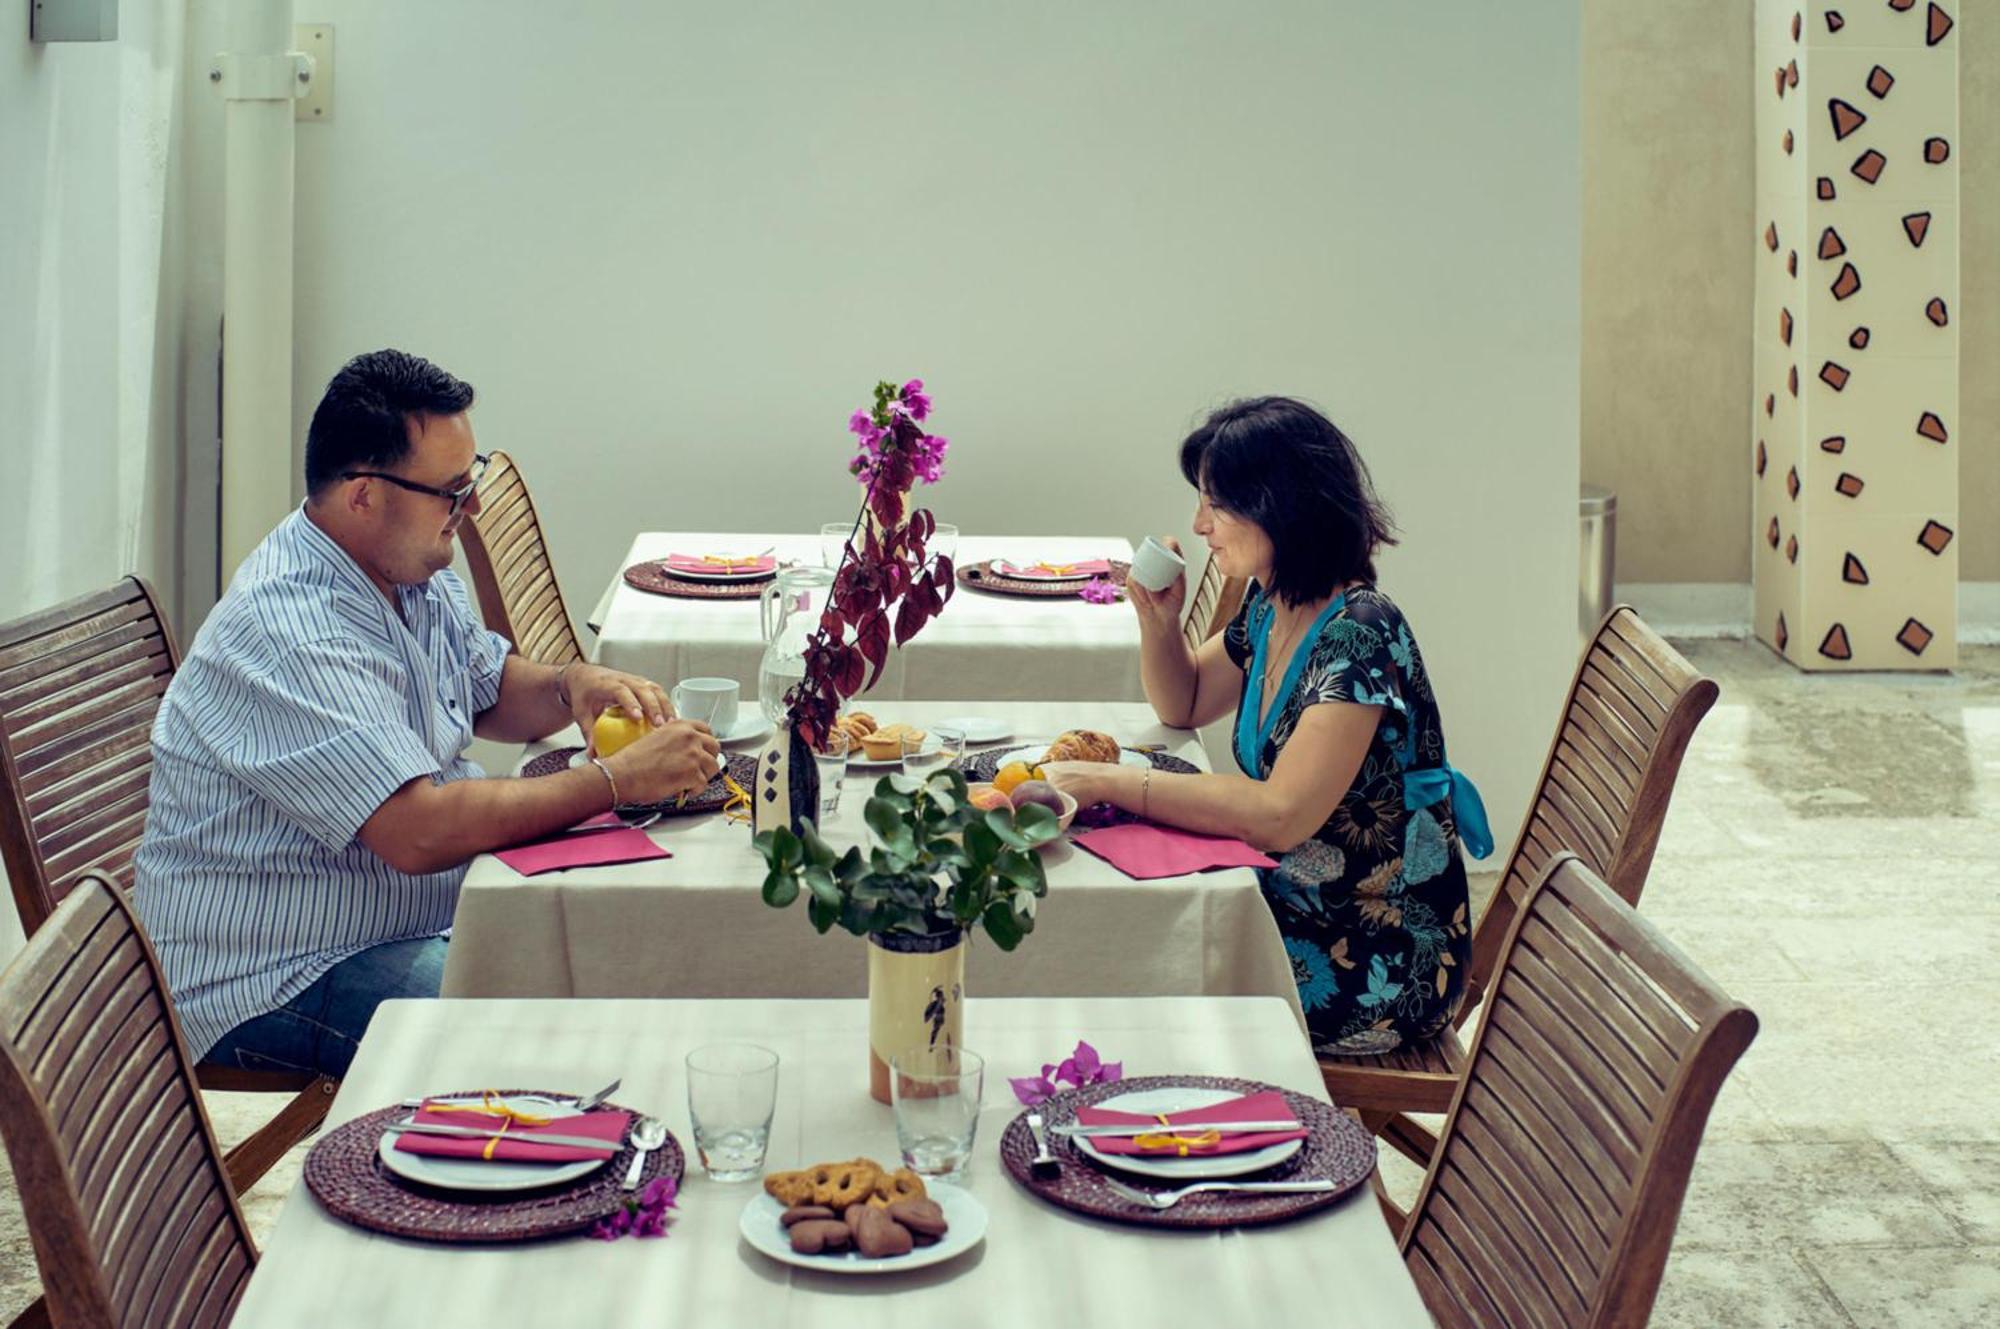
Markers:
(458, 494)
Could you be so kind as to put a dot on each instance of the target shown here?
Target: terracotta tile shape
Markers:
(1834, 22)
(1852, 572)
(1785, 326)
(1792, 380)
(1936, 150)
(1902, 6)
(1781, 80)
(1798, 21)
(1762, 458)
(1849, 485)
(1917, 225)
(1834, 646)
(1935, 312)
(1937, 24)
(1914, 637)
(1837, 443)
(1932, 428)
(1792, 74)
(1833, 375)
(1771, 237)
(1783, 636)
(1792, 482)
(1880, 81)
(1869, 165)
(1830, 244)
(1791, 548)
(1846, 119)
(1770, 403)
(1825, 189)
(1847, 283)
(1858, 339)
(1771, 533)
(1935, 536)
(1791, 262)
(1788, 142)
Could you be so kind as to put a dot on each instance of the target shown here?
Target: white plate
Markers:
(966, 1227)
(689, 574)
(978, 728)
(466, 1174)
(750, 723)
(1024, 574)
(578, 758)
(1034, 752)
(1180, 1099)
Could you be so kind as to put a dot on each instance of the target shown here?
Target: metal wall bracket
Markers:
(72, 20)
(262, 78)
(316, 40)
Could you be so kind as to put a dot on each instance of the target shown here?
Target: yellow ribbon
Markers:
(726, 563)
(738, 807)
(491, 1104)
(1054, 569)
(1168, 1139)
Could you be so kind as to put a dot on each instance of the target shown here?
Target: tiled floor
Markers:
(1831, 859)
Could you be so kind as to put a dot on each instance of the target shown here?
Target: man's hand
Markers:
(679, 757)
(593, 687)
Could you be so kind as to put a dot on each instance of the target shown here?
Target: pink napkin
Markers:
(518, 1147)
(1144, 851)
(581, 851)
(701, 563)
(1269, 1105)
(1091, 567)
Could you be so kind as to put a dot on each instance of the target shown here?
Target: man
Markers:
(312, 807)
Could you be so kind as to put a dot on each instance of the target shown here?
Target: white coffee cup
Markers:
(709, 700)
(1155, 566)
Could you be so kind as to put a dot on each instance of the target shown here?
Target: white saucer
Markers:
(1177, 1098)
(750, 723)
(978, 729)
(472, 1174)
(966, 1227)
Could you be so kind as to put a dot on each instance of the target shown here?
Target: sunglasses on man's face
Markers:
(458, 494)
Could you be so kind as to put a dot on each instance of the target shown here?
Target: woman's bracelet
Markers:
(562, 693)
(1146, 793)
(609, 779)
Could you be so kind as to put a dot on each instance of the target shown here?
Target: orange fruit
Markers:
(1014, 774)
(615, 729)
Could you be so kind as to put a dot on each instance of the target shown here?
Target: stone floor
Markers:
(1851, 1170)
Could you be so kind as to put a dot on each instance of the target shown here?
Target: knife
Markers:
(1228, 1127)
(473, 1133)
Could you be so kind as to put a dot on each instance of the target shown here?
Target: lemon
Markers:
(1013, 774)
(615, 729)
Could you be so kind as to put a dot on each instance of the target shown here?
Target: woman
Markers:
(1344, 778)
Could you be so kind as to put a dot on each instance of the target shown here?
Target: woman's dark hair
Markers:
(1279, 463)
(361, 424)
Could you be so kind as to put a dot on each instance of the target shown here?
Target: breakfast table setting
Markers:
(688, 1194)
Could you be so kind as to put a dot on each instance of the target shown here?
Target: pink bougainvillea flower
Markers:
(1033, 1090)
(1101, 591)
(915, 400)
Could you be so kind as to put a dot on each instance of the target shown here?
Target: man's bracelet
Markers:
(604, 766)
(1146, 794)
(562, 693)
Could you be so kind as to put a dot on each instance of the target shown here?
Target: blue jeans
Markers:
(319, 1029)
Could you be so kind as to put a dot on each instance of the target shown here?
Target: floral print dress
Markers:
(1373, 907)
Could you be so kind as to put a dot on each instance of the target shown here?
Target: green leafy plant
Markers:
(937, 862)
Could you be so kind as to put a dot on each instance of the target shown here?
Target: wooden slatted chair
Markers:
(1632, 708)
(79, 687)
(126, 1196)
(1554, 1194)
(511, 571)
(1215, 601)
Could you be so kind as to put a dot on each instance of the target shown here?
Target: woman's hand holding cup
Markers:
(1156, 563)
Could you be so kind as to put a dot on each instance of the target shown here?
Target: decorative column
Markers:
(1854, 442)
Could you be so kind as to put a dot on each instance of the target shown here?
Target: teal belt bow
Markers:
(1434, 784)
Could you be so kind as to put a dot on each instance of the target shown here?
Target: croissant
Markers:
(1083, 745)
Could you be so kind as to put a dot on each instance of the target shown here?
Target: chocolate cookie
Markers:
(799, 1213)
(924, 1219)
(815, 1235)
(878, 1236)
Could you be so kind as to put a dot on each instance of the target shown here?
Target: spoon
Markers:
(648, 1134)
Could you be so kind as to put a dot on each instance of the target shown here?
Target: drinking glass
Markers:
(944, 540)
(833, 541)
(831, 758)
(732, 1091)
(935, 1092)
(927, 754)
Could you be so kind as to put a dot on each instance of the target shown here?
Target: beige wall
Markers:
(1668, 238)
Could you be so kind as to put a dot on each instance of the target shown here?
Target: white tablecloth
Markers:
(695, 924)
(1038, 1265)
(1001, 647)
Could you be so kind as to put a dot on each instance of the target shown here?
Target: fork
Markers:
(1168, 1199)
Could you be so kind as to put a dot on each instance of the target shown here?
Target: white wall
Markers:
(674, 245)
(89, 319)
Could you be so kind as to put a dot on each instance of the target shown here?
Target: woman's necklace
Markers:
(1273, 656)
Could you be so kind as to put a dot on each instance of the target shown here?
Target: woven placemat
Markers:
(1339, 1148)
(654, 579)
(742, 768)
(985, 765)
(982, 577)
(345, 1175)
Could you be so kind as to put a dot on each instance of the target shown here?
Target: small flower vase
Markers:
(916, 997)
(785, 791)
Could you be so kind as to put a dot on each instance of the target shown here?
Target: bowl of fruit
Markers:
(1016, 785)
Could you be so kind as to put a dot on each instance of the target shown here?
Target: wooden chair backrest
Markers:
(1213, 601)
(80, 685)
(1556, 1187)
(121, 1181)
(511, 571)
(1633, 706)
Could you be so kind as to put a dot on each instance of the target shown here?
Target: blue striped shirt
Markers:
(305, 702)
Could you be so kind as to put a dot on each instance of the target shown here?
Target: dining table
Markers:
(1037, 1264)
(696, 925)
(1003, 647)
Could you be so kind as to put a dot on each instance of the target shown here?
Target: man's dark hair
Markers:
(1279, 463)
(361, 424)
